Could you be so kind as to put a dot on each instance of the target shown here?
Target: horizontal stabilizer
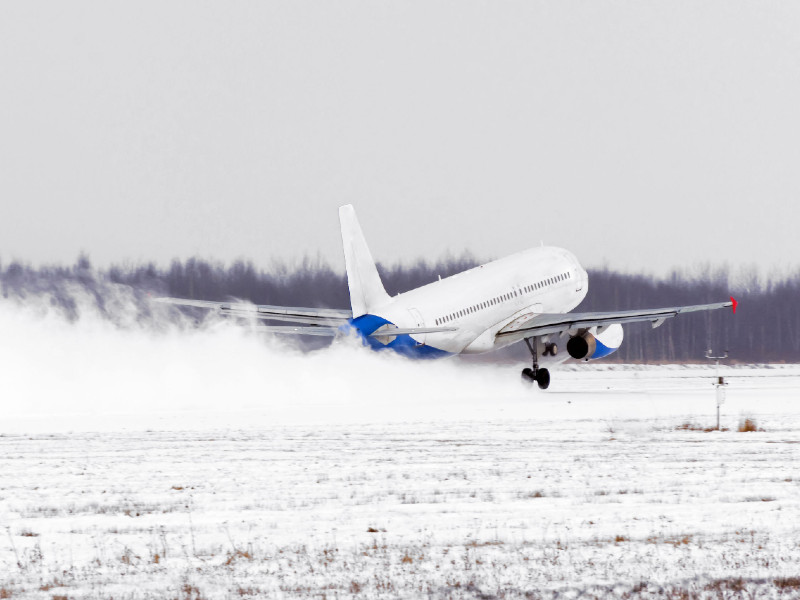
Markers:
(333, 331)
(410, 331)
(287, 329)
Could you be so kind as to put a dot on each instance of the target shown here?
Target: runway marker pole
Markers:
(719, 381)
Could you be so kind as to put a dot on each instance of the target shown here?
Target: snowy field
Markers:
(214, 464)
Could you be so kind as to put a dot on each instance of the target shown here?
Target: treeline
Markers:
(766, 327)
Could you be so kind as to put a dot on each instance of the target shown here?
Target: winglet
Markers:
(366, 290)
(734, 303)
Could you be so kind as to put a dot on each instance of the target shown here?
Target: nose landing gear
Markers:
(540, 376)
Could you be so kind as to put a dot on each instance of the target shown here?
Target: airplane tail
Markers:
(366, 288)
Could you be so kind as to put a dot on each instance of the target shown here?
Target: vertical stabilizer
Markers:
(366, 289)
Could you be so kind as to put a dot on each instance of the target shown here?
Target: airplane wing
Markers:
(541, 324)
(332, 317)
(318, 321)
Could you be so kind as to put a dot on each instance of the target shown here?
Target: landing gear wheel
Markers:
(550, 350)
(543, 378)
(528, 376)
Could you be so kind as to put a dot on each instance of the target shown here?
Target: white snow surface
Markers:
(176, 462)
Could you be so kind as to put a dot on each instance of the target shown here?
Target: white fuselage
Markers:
(481, 301)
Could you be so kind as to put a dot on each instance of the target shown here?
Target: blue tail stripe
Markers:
(402, 344)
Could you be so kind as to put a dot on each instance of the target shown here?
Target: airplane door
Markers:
(416, 318)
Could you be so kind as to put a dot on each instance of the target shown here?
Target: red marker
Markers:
(735, 304)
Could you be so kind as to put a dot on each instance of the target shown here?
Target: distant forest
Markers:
(766, 327)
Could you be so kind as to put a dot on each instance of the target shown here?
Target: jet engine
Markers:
(597, 342)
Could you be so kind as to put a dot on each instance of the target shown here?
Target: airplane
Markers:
(526, 296)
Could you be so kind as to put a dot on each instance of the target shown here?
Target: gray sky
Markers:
(642, 135)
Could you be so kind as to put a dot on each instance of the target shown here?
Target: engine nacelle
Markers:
(597, 342)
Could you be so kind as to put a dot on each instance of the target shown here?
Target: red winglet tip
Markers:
(735, 304)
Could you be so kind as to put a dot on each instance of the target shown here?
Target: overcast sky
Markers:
(641, 135)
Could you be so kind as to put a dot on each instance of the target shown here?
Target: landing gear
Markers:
(540, 376)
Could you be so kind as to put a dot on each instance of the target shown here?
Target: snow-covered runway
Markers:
(607, 485)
